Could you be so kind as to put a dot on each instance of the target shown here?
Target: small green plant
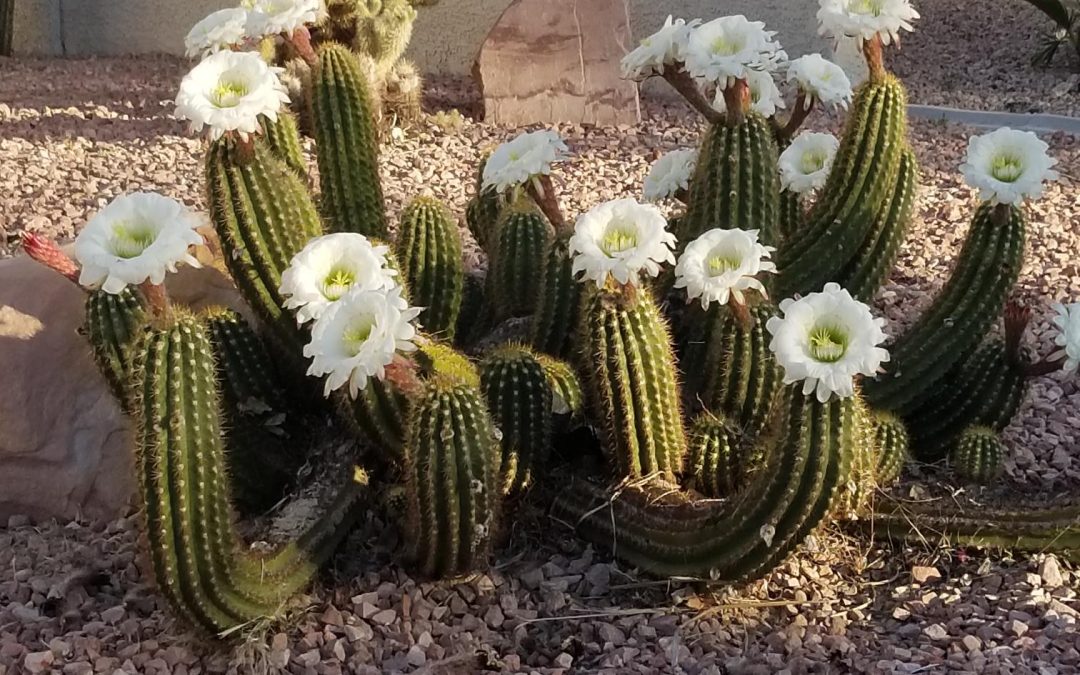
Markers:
(1066, 17)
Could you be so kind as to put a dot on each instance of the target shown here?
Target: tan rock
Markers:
(549, 61)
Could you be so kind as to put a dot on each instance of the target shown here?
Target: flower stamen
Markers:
(828, 343)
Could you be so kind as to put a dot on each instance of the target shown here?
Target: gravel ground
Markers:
(75, 134)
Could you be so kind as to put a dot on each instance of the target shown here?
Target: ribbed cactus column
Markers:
(978, 455)
(452, 479)
(520, 400)
(383, 29)
(729, 368)
(521, 243)
(891, 443)
(792, 214)
(567, 396)
(632, 380)
(429, 251)
(862, 179)
(197, 559)
(283, 137)
(961, 314)
(112, 324)
(667, 532)
(736, 184)
(558, 301)
(481, 215)
(348, 145)
(719, 462)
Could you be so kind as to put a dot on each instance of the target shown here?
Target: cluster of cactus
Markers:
(716, 466)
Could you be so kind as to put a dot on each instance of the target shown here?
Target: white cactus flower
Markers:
(220, 30)
(669, 174)
(623, 239)
(522, 159)
(1006, 166)
(275, 17)
(825, 340)
(358, 337)
(821, 79)
(805, 164)
(1068, 337)
(765, 96)
(865, 19)
(228, 92)
(729, 48)
(720, 264)
(662, 48)
(138, 237)
(330, 266)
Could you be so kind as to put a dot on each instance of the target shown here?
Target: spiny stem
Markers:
(544, 196)
(875, 58)
(681, 81)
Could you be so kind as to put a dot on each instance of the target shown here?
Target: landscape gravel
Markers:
(74, 134)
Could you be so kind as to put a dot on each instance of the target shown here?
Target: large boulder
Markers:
(65, 447)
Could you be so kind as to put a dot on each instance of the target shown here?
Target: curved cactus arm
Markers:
(112, 325)
(666, 532)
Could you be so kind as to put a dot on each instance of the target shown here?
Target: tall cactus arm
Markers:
(112, 325)
(429, 250)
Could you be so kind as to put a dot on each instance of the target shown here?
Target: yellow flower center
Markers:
(619, 237)
(357, 333)
(227, 93)
(129, 240)
(871, 7)
(1006, 168)
(337, 282)
(722, 45)
(828, 344)
(813, 161)
(720, 263)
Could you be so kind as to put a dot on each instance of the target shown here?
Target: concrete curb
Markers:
(1043, 123)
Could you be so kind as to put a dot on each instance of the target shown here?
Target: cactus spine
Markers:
(347, 139)
(717, 465)
(633, 387)
(978, 455)
(522, 239)
(429, 250)
(112, 323)
(659, 529)
(283, 137)
(558, 301)
(736, 183)
(863, 174)
(960, 316)
(891, 443)
(520, 400)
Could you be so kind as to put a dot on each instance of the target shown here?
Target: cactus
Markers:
(196, 555)
(792, 214)
(557, 302)
(567, 397)
(521, 243)
(429, 250)
(475, 315)
(520, 399)
(731, 370)
(718, 464)
(403, 90)
(891, 444)
(283, 137)
(736, 184)
(977, 455)
(452, 479)
(112, 325)
(482, 215)
(383, 29)
(666, 532)
(632, 386)
(863, 175)
(960, 315)
(347, 140)
(7, 27)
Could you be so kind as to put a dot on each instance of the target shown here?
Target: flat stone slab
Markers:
(551, 61)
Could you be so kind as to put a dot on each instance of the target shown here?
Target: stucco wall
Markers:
(446, 40)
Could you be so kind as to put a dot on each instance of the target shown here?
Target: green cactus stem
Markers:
(863, 176)
(429, 251)
(736, 184)
(112, 325)
(346, 135)
(283, 137)
(476, 313)
(199, 562)
(632, 380)
(792, 214)
(668, 532)
(452, 464)
(891, 444)
(961, 314)
(558, 301)
(522, 240)
(383, 29)
(379, 414)
(718, 464)
(567, 397)
(482, 215)
(520, 400)
(729, 368)
(978, 455)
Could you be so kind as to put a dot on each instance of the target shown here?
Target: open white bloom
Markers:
(228, 91)
(518, 161)
(825, 339)
(329, 267)
(137, 237)
(1007, 165)
(274, 17)
(1068, 337)
(721, 264)
(864, 19)
(220, 30)
(662, 48)
(820, 79)
(728, 48)
(765, 96)
(358, 337)
(621, 238)
(805, 164)
(669, 174)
